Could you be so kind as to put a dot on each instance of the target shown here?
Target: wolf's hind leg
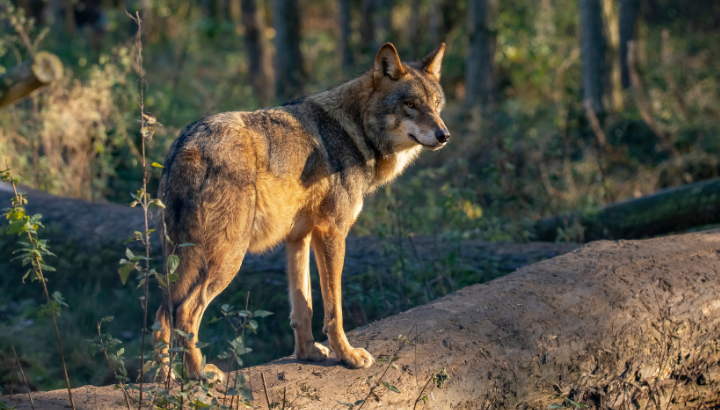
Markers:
(218, 253)
(190, 313)
(298, 257)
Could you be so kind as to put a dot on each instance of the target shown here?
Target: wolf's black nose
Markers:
(442, 135)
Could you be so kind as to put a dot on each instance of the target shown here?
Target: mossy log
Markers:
(96, 224)
(665, 211)
(613, 325)
(39, 71)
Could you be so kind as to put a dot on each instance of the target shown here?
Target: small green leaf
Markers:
(173, 262)
(183, 334)
(262, 313)
(391, 387)
(157, 326)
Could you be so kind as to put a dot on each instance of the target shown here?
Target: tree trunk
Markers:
(384, 21)
(479, 68)
(289, 72)
(70, 16)
(258, 58)
(367, 27)
(415, 32)
(435, 20)
(235, 12)
(593, 47)
(20, 81)
(345, 31)
(666, 211)
(628, 16)
(614, 325)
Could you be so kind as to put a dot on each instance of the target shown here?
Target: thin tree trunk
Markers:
(415, 34)
(235, 14)
(220, 11)
(384, 20)
(70, 16)
(367, 27)
(613, 25)
(345, 32)
(593, 47)
(258, 58)
(289, 73)
(434, 23)
(479, 68)
(628, 17)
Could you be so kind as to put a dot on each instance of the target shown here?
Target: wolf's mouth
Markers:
(431, 147)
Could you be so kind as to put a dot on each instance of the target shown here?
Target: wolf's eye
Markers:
(437, 103)
(410, 104)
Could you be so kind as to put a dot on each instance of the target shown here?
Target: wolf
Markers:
(243, 182)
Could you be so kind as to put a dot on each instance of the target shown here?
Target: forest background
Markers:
(549, 109)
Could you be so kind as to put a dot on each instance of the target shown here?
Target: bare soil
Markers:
(626, 324)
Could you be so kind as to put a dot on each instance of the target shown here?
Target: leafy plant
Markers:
(32, 254)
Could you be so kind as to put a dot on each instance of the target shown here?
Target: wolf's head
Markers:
(406, 101)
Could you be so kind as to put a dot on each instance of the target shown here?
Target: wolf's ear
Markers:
(387, 63)
(432, 62)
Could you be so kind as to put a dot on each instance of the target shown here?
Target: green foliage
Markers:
(104, 341)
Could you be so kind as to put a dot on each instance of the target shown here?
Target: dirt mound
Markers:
(610, 324)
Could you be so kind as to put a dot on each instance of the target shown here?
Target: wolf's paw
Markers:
(316, 353)
(358, 358)
(212, 374)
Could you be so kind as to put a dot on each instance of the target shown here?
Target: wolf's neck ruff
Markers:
(348, 104)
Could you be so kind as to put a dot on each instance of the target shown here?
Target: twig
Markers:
(12, 380)
(262, 375)
(17, 360)
(602, 143)
(662, 318)
(144, 200)
(284, 391)
(121, 384)
(419, 397)
(671, 395)
(171, 355)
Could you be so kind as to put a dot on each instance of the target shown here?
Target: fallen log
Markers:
(39, 71)
(92, 225)
(628, 324)
(662, 212)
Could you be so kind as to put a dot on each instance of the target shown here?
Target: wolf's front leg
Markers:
(298, 258)
(329, 246)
